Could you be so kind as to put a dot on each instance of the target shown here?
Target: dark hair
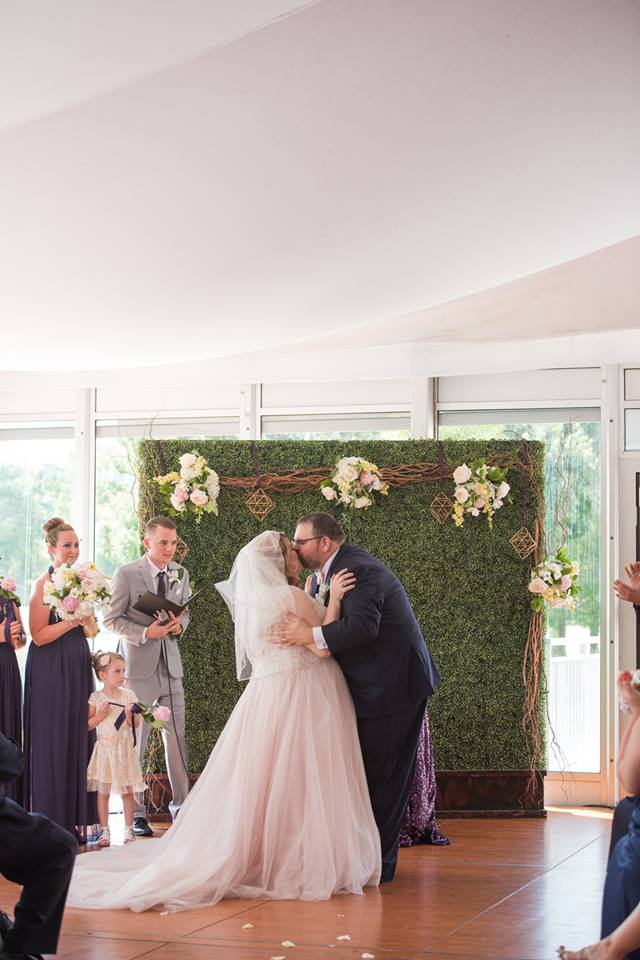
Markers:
(165, 522)
(324, 525)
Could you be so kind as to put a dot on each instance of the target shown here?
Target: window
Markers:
(37, 467)
(374, 426)
(572, 468)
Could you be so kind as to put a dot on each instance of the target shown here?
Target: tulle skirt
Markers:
(281, 810)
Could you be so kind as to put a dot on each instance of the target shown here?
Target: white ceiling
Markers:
(227, 179)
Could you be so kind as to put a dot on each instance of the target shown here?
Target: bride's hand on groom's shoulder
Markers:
(341, 583)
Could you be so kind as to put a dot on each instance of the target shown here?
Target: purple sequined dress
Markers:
(420, 825)
(57, 742)
(10, 690)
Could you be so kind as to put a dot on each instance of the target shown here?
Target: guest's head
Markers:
(160, 540)
(317, 536)
(292, 565)
(62, 542)
(109, 667)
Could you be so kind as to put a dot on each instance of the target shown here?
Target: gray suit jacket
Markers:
(127, 584)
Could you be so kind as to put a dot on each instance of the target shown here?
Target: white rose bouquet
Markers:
(353, 483)
(554, 582)
(193, 489)
(75, 591)
(479, 489)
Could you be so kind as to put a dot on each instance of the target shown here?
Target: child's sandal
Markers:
(104, 840)
(129, 835)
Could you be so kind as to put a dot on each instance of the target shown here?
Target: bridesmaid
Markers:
(420, 824)
(12, 636)
(58, 683)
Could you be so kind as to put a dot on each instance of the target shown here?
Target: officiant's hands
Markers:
(629, 591)
(161, 628)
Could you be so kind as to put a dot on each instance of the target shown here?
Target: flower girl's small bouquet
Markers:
(193, 489)
(479, 489)
(554, 582)
(75, 591)
(354, 482)
(156, 716)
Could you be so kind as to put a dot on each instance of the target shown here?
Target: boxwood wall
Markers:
(467, 586)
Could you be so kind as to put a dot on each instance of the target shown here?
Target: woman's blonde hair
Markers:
(287, 550)
(52, 528)
(101, 660)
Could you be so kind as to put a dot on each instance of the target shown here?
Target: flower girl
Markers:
(114, 766)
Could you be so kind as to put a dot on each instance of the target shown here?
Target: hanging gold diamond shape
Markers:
(181, 550)
(259, 504)
(441, 507)
(523, 543)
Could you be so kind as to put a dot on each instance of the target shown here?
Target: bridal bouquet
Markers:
(554, 581)
(354, 482)
(479, 489)
(193, 489)
(75, 590)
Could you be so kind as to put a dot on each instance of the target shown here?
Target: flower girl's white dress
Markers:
(280, 811)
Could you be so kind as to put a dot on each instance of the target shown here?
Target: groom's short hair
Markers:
(324, 525)
(165, 522)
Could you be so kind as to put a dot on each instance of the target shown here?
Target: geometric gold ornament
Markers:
(441, 507)
(181, 550)
(523, 543)
(259, 504)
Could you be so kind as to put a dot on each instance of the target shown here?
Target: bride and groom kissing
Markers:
(304, 793)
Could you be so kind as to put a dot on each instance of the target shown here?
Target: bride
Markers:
(281, 810)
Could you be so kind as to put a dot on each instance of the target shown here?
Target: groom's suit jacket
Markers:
(377, 641)
(128, 583)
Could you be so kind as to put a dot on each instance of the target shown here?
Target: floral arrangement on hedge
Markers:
(353, 483)
(479, 489)
(75, 591)
(554, 582)
(194, 489)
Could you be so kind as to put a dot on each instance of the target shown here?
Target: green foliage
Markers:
(467, 587)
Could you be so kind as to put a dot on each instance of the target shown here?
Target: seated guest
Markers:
(38, 855)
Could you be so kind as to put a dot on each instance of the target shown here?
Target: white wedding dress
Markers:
(281, 810)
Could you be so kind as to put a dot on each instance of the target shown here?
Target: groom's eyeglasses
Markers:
(296, 543)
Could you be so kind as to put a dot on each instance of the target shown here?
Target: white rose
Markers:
(474, 512)
(199, 498)
(328, 493)
(462, 494)
(461, 474)
(188, 459)
(350, 474)
(213, 485)
(502, 490)
(362, 502)
(345, 498)
(497, 504)
(176, 503)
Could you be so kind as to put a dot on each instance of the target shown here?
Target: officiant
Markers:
(151, 649)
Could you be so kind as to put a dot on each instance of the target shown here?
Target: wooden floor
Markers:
(504, 888)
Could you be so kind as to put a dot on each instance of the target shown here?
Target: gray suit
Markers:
(153, 667)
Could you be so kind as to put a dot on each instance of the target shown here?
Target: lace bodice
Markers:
(274, 659)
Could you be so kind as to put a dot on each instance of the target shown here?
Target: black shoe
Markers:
(141, 827)
(20, 956)
(6, 924)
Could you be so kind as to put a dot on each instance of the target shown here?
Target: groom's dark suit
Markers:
(378, 645)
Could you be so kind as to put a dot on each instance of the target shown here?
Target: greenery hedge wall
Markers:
(467, 586)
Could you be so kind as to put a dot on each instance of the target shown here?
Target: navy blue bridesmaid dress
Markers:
(57, 742)
(10, 690)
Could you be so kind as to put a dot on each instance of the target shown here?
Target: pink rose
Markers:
(537, 585)
(565, 583)
(161, 713)
(198, 498)
(181, 493)
(70, 604)
(366, 477)
(8, 584)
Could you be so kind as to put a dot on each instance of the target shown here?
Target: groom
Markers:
(151, 652)
(379, 647)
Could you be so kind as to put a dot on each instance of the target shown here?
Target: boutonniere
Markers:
(323, 592)
(176, 574)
